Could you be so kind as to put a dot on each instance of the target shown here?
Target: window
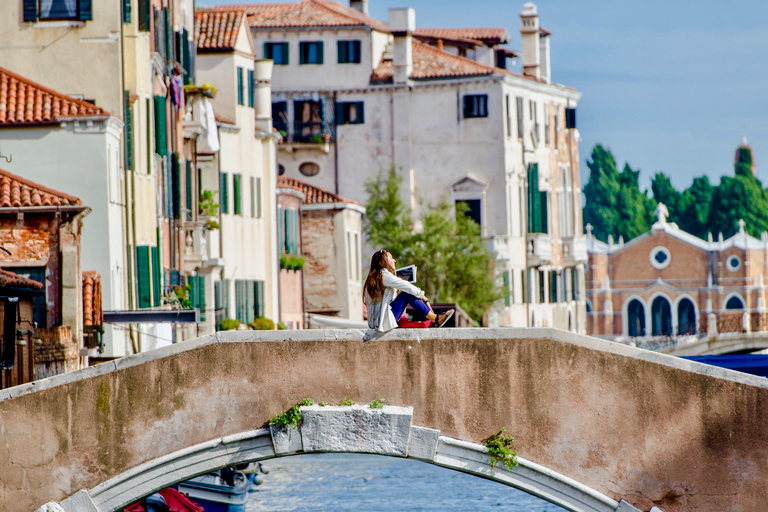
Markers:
(537, 202)
(349, 52)
(258, 198)
(253, 196)
(733, 262)
(734, 302)
(58, 10)
(280, 117)
(533, 113)
(249, 84)
(471, 209)
(236, 191)
(635, 319)
(224, 192)
(546, 124)
(475, 105)
(350, 112)
(240, 95)
(505, 275)
(39, 306)
(519, 117)
(660, 257)
(278, 52)
(557, 125)
(311, 52)
(509, 117)
(309, 123)
(309, 169)
(280, 169)
(661, 317)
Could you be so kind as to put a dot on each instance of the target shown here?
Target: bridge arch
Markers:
(595, 412)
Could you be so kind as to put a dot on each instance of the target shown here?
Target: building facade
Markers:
(668, 284)
(353, 96)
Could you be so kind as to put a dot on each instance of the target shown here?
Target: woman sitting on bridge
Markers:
(379, 295)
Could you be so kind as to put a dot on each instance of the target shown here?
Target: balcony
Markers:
(196, 246)
(539, 249)
(311, 135)
(499, 246)
(574, 250)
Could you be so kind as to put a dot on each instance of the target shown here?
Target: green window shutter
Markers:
(144, 13)
(143, 287)
(156, 273)
(302, 53)
(128, 118)
(169, 53)
(161, 139)
(240, 100)
(506, 287)
(126, 11)
(250, 303)
(342, 47)
(319, 52)
(30, 10)
(85, 11)
(258, 198)
(284, 53)
(280, 229)
(236, 192)
(543, 209)
(524, 286)
(252, 189)
(249, 83)
(201, 296)
(176, 186)
(268, 53)
(532, 186)
(258, 292)
(148, 105)
(188, 189)
(224, 192)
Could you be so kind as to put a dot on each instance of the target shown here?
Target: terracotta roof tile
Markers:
(313, 195)
(18, 192)
(92, 313)
(486, 35)
(306, 13)
(24, 102)
(217, 30)
(11, 279)
(429, 63)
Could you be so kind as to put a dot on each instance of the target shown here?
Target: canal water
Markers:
(345, 482)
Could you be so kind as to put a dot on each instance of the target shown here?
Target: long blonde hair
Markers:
(374, 283)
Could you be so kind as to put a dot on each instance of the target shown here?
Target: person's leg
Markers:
(398, 305)
(403, 299)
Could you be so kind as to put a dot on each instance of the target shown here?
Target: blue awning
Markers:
(755, 364)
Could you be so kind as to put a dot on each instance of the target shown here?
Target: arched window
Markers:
(686, 317)
(589, 307)
(635, 318)
(661, 317)
(734, 302)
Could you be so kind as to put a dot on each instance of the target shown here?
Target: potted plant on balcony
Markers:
(209, 209)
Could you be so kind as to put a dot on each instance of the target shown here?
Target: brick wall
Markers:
(320, 271)
(55, 352)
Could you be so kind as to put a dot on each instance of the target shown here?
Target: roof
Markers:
(313, 194)
(217, 30)
(92, 313)
(487, 36)
(11, 279)
(429, 63)
(24, 102)
(18, 192)
(306, 13)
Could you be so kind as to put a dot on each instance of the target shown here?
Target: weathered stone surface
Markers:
(423, 443)
(356, 428)
(79, 502)
(285, 438)
(626, 507)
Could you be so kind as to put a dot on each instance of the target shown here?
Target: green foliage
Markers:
(346, 401)
(263, 324)
(281, 326)
(665, 192)
(292, 262)
(743, 164)
(501, 448)
(693, 214)
(291, 417)
(179, 297)
(209, 207)
(323, 404)
(449, 251)
(229, 324)
(738, 197)
(377, 404)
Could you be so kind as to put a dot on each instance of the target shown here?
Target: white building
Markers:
(241, 264)
(352, 96)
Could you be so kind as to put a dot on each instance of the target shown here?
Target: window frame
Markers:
(269, 52)
(475, 106)
(343, 109)
(352, 51)
(304, 52)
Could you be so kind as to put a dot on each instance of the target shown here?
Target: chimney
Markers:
(402, 23)
(262, 78)
(545, 72)
(359, 5)
(529, 40)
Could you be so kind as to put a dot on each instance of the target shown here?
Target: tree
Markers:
(696, 201)
(453, 261)
(632, 205)
(665, 192)
(601, 192)
(738, 197)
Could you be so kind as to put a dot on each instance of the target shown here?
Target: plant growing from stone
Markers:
(501, 449)
(346, 401)
(291, 417)
(377, 404)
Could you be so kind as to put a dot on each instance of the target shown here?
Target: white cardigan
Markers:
(381, 318)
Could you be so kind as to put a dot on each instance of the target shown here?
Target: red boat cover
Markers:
(176, 501)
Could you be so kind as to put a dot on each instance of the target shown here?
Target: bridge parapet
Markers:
(630, 424)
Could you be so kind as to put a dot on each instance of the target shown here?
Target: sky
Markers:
(667, 85)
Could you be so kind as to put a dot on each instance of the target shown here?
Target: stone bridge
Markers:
(722, 343)
(598, 426)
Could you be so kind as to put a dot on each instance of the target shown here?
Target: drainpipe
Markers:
(335, 146)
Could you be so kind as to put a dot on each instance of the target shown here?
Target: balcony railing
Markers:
(196, 250)
(735, 322)
(539, 249)
(311, 132)
(575, 248)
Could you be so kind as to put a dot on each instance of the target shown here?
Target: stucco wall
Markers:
(629, 423)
